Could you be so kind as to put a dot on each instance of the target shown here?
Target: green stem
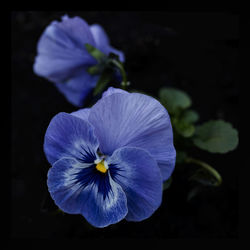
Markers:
(119, 65)
(207, 167)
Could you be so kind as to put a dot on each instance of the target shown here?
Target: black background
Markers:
(195, 51)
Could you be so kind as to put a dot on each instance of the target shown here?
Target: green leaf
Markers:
(167, 183)
(190, 116)
(184, 128)
(183, 122)
(174, 99)
(180, 157)
(216, 136)
(97, 54)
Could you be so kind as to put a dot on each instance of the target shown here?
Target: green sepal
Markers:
(96, 53)
(96, 69)
(216, 136)
(104, 79)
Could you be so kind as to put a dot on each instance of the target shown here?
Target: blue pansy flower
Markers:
(109, 161)
(62, 57)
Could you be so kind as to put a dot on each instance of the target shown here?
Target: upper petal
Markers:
(111, 91)
(140, 177)
(80, 189)
(100, 36)
(78, 30)
(134, 120)
(113, 50)
(61, 49)
(103, 43)
(82, 113)
(70, 136)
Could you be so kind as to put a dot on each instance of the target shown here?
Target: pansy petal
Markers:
(104, 202)
(76, 88)
(134, 120)
(111, 91)
(119, 53)
(103, 43)
(61, 49)
(140, 177)
(78, 30)
(80, 189)
(82, 113)
(99, 35)
(57, 69)
(70, 136)
(64, 183)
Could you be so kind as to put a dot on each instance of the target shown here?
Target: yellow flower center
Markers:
(101, 167)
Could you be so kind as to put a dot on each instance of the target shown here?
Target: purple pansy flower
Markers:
(62, 57)
(109, 161)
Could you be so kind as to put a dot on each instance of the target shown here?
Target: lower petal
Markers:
(78, 188)
(64, 183)
(103, 43)
(103, 202)
(140, 177)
